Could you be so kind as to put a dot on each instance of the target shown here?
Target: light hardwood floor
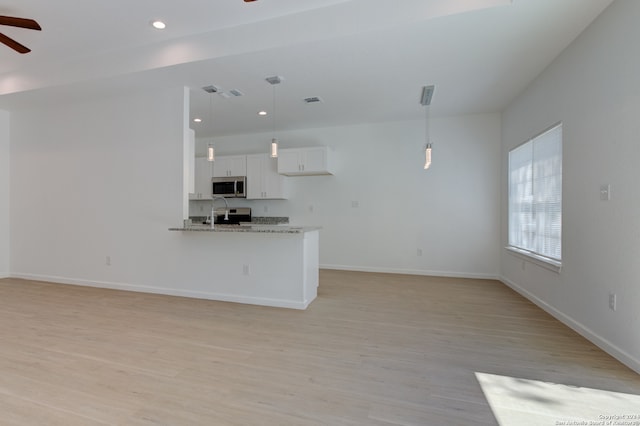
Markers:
(373, 349)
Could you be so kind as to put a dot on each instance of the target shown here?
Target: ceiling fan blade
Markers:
(20, 22)
(14, 44)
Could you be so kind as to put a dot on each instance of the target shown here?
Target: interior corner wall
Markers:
(593, 87)
(4, 194)
(381, 211)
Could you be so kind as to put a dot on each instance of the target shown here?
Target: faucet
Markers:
(213, 210)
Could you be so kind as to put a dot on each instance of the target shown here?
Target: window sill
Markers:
(552, 265)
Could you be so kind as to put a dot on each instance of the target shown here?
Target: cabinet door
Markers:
(237, 165)
(221, 167)
(203, 169)
(289, 162)
(230, 165)
(304, 161)
(315, 160)
(273, 183)
(263, 180)
(254, 177)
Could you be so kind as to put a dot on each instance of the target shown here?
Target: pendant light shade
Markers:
(274, 148)
(427, 156)
(211, 155)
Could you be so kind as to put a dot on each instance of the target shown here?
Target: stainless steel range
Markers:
(236, 215)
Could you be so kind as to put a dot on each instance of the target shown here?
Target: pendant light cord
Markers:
(210, 148)
(211, 113)
(274, 141)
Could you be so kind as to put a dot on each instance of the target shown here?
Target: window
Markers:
(535, 197)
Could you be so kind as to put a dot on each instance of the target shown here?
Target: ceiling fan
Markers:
(29, 24)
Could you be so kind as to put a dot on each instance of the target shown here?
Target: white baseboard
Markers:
(613, 350)
(277, 303)
(4, 275)
(411, 272)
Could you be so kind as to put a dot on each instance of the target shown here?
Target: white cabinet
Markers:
(304, 161)
(202, 174)
(230, 165)
(263, 180)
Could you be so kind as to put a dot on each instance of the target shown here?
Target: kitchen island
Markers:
(270, 265)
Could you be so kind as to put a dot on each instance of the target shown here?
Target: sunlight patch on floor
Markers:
(521, 402)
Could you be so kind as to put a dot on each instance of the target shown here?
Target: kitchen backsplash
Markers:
(259, 220)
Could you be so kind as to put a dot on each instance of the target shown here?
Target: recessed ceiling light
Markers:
(158, 25)
(262, 112)
(197, 120)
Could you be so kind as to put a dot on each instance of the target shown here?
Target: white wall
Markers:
(4, 194)
(594, 89)
(96, 179)
(450, 212)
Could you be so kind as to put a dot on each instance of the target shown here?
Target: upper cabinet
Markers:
(304, 161)
(263, 180)
(230, 165)
(202, 185)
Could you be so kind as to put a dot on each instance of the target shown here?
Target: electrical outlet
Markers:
(107, 260)
(201, 208)
(355, 204)
(266, 209)
(605, 192)
(613, 301)
(245, 269)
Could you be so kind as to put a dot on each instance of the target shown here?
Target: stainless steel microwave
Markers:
(229, 187)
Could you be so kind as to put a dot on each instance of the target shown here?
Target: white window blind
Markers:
(535, 195)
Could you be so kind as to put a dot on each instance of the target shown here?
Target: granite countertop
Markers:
(249, 227)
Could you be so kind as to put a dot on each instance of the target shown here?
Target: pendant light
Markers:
(211, 154)
(273, 81)
(425, 100)
(427, 155)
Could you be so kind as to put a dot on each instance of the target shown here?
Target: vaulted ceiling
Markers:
(366, 59)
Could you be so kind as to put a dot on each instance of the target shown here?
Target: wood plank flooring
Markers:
(373, 349)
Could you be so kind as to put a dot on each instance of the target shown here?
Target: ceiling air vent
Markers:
(233, 93)
(312, 100)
